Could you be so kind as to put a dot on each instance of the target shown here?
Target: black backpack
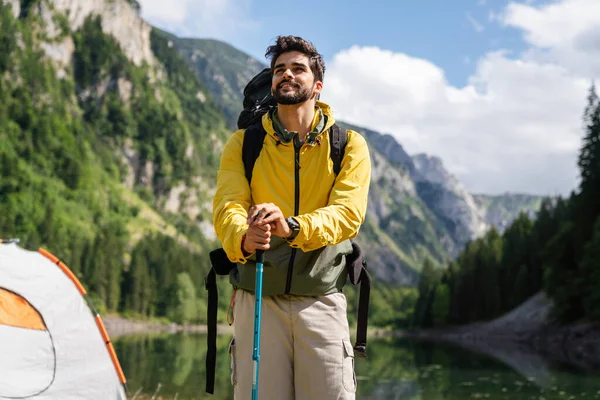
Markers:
(258, 101)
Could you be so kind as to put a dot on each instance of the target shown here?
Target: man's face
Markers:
(293, 80)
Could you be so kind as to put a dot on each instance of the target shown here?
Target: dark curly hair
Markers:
(283, 44)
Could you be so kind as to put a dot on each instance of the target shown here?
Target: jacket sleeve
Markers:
(347, 207)
(232, 199)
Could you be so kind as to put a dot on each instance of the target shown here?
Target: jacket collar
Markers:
(318, 125)
(323, 120)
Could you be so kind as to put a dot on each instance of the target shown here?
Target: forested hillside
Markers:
(557, 252)
(88, 157)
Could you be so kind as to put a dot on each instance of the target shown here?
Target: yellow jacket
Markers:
(330, 210)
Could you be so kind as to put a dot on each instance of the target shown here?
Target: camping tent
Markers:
(52, 345)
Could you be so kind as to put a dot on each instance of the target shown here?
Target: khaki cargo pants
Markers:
(305, 349)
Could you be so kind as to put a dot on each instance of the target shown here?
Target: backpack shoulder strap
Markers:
(220, 265)
(254, 137)
(338, 137)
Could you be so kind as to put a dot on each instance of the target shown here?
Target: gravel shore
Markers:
(526, 336)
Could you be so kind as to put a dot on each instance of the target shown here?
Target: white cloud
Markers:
(567, 32)
(516, 126)
(175, 12)
(554, 25)
(219, 19)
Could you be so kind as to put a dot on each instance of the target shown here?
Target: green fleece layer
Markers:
(316, 273)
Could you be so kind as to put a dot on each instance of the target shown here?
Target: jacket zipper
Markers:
(297, 147)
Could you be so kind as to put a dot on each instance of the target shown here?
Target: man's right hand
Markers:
(257, 238)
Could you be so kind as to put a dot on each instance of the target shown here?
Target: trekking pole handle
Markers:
(260, 256)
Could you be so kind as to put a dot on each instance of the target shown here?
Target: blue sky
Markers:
(449, 33)
(494, 88)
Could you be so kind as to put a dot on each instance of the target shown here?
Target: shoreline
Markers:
(118, 326)
(576, 344)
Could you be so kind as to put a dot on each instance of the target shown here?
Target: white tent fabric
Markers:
(27, 363)
(67, 361)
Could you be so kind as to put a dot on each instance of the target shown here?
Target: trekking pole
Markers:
(260, 258)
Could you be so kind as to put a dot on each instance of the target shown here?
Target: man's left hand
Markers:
(272, 215)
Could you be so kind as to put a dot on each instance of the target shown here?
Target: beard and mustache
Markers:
(297, 96)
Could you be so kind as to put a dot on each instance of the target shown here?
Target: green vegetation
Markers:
(557, 252)
(390, 307)
(62, 166)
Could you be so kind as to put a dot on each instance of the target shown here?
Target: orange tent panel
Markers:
(16, 311)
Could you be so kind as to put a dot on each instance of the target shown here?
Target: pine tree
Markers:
(184, 307)
(440, 308)
(8, 38)
(517, 253)
(453, 277)
(467, 287)
(590, 270)
(426, 286)
(491, 257)
(589, 164)
(562, 278)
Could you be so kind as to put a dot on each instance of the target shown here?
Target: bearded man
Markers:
(303, 214)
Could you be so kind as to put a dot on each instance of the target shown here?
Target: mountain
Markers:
(448, 199)
(110, 137)
(416, 207)
(224, 69)
(500, 210)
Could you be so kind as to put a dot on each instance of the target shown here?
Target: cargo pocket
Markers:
(232, 362)
(348, 374)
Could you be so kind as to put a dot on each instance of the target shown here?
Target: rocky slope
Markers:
(448, 198)
(527, 336)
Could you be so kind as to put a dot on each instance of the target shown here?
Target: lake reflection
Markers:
(396, 369)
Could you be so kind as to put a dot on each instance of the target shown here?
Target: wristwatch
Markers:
(294, 226)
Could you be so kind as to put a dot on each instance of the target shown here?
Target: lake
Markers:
(396, 369)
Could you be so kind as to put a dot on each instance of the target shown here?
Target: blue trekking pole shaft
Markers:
(260, 258)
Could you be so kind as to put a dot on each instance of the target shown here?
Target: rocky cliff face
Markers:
(391, 150)
(119, 19)
(448, 199)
